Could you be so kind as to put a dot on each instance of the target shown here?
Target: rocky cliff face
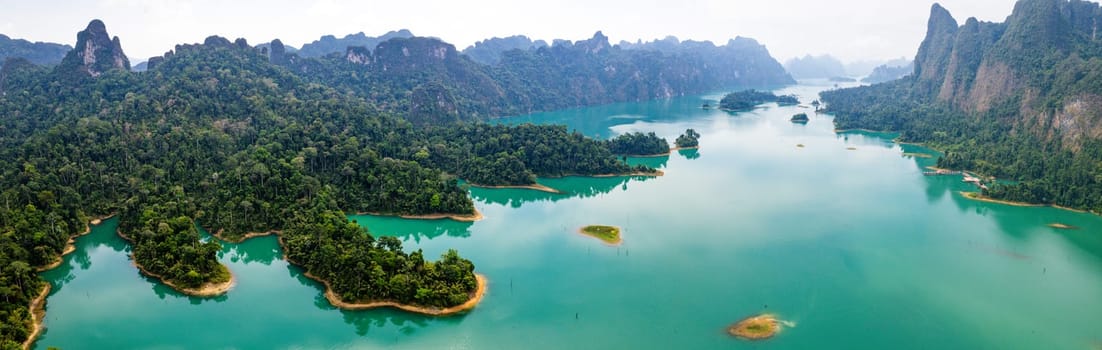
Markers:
(1042, 65)
(358, 55)
(413, 53)
(95, 52)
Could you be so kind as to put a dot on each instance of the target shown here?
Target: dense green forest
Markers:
(1044, 171)
(638, 144)
(216, 134)
(1019, 104)
(361, 268)
(748, 99)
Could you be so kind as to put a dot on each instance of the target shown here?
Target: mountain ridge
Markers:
(1020, 99)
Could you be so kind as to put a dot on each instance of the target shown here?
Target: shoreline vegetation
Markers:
(473, 217)
(656, 155)
(534, 187)
(758, 327)
(37, 306)
(474, 298)
(244, 237)
(38, 315)
(917, 155)
(656, 173)
(976, 196)
(206, 290)
(611, 235)
(70, 245)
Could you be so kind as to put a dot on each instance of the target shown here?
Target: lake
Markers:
(844, 238)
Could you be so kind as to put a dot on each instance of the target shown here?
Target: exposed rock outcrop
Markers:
(358, 55)
(95, 52)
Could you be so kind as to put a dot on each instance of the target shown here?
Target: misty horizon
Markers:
(853, 32)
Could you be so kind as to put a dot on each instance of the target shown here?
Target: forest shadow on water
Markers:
(1022, 225)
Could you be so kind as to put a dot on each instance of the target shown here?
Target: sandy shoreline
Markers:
(1062, 226)
(681, 148)
(535, 187)
(670, 152)
(862, 130)
(917, 155)
(656, 155)
(619, 237)
(657, 173)
(37, 309)
(204, 291)
(336, 301)
(759, 327)
(457, 217)
(976, 196)
(330, 295)
(244, 237)
(70, 246)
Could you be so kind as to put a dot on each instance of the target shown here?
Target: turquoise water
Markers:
(856, 248)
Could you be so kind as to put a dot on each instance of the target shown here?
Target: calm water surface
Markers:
(856, 248)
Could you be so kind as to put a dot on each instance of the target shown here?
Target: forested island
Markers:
(639, 144)
(748, 99)
(238, 140)
(690, 139)
(1018, 103)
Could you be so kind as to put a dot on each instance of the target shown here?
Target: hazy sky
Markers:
(850, 30)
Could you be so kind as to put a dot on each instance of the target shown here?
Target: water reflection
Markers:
(263, 250)
(1021, 224)
(571, 187)
(412, 229)
(601, 121)
(102, 235)
(364, 320)
(690, 154)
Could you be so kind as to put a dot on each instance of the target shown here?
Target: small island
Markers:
(690, 139)
(607, 234)
(748, 99)
(1062, 226)
(756, 327)
(800, 118)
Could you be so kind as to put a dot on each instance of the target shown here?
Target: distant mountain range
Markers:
(494, 77)
(890, 71)
(330, 44)
(36, 52)
(516, 75)
(815, 67)
(489, 51)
